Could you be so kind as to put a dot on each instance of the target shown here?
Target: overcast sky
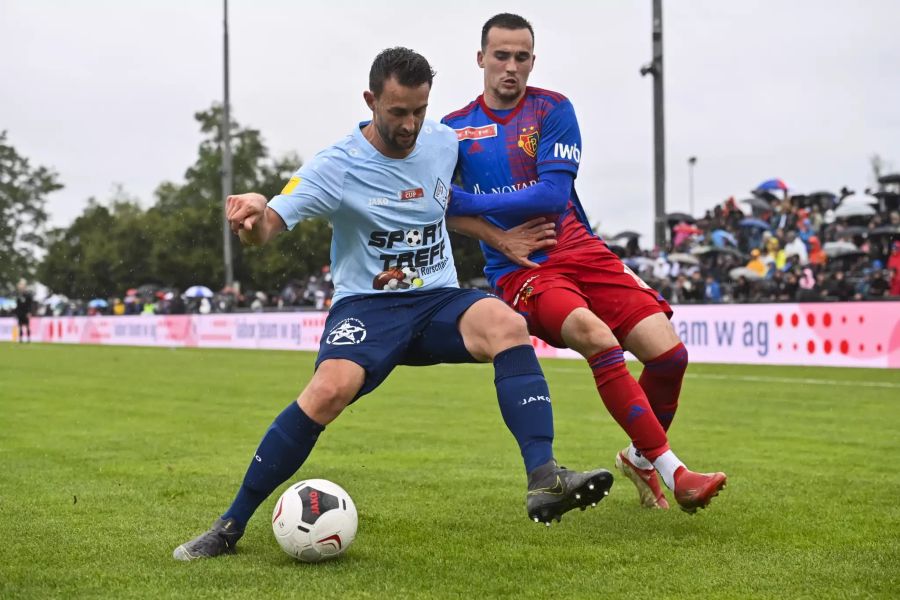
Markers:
(104, 91)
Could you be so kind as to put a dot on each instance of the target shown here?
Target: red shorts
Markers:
(595, 278)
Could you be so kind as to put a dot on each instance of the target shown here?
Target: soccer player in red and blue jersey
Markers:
(519, 152)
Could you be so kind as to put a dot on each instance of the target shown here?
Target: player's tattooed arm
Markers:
(252, 220)
(516, 243)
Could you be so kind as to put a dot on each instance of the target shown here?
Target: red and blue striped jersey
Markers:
(506, 151)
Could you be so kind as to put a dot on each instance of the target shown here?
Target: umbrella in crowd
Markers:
(712, 250)
(198, 291)
(772, 184)
(748, 274)
(98, 303)
(677, 217)
(684, 259)
(885, 230)
(720, 236)
(842, 261)
(833, 249)
(54, 299)
(853, 231)
(857, 199)
(823, 196)
(891, 178)
(765, 195)
(626, 235)
(854, 210)
(754, 223)
(757, 203)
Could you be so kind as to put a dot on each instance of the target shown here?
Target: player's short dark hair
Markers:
(408, 67)
(505, 21)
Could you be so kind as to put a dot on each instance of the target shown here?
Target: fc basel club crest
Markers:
(528, 140)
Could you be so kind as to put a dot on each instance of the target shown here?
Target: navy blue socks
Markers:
(284, 447)
(525, 403)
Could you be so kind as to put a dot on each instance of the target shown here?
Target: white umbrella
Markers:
(744, 272)
(198, 291)
(854, 210)
(685, 259)
(857, 199)
(833, 249)
(54, 300)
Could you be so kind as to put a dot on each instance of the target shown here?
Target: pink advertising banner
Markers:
(857, 334)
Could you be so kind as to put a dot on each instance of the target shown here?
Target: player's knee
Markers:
(585, 333)
(599, 337)
(325, 399)
(505, 330)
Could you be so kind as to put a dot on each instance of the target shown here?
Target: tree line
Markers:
(176, 242)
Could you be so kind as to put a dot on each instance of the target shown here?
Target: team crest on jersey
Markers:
(347, 332)
(524, 293)
(528, 140)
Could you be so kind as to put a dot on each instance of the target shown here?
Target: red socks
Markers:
(661, 382)
(627, 402)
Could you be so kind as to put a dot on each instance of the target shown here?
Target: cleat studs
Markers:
(536, 520)
(593, 504)
(578, 496)
(590, 486)
(547, 523)
(606, 493)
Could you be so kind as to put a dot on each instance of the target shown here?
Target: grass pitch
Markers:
(111, 457)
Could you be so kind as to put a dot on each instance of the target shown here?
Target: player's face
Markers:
(397, 115)
(507, 61)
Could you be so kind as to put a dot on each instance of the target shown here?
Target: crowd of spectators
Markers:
(778, 247)
(772, 247)
(312, 293)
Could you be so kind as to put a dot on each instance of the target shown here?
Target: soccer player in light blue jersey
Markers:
(519, 154)
(385, 189)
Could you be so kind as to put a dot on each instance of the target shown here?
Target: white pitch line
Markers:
(759, 378)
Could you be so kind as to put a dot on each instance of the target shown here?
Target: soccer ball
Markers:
(414, 237)
(314, 520)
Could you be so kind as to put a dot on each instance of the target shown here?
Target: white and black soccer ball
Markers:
(414, 237)
(314, 520)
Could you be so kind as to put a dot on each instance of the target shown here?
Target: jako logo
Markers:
(314, 502)
(531, 399)
(570, 152)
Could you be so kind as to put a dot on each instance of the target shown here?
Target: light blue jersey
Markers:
(387, 214)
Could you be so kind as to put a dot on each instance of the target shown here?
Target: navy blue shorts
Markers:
(380, 331)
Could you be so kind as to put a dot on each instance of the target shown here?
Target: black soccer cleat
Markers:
(220, 539)
(554, 491)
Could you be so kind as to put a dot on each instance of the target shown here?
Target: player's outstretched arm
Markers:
(252, 220)
(550, 195)
(516, 243)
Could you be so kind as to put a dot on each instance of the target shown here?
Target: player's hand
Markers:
(246, 214)
(520, 241)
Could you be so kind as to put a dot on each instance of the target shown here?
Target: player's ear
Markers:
(480, 59)
(369, 97)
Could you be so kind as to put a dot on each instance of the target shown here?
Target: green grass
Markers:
(111, 457)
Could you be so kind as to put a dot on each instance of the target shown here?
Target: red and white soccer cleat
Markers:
(695, 490)
(645, 480)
